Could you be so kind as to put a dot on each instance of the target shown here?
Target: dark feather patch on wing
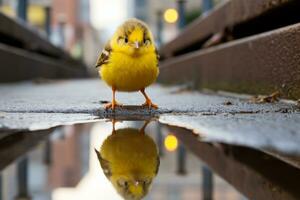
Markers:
(104, 165)
(157, 56)
(157, 165)
(104, 56)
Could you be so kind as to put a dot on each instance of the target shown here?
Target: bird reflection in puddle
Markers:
(129, 159)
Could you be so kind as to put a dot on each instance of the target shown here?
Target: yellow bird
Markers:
(129, 61)
(129, 159)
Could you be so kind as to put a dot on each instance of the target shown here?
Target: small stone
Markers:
(227, 103)
(2, 114)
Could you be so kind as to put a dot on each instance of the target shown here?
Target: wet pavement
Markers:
(36, 106)
(31, 106)
(248, 145)
(44, 181)
(162, 168)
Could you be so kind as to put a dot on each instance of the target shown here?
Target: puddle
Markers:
(269, 132)
(139, 160)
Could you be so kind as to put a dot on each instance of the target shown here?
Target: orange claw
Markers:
(114, 103)
(148, 102)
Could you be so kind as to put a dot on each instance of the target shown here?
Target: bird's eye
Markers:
(123, 182)
(126, 40)
(147, 181)
(146, 41)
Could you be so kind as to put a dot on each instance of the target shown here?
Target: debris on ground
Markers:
(227, 103)
(104, 101)
(274, 97)
(283, 110)
(2, 114)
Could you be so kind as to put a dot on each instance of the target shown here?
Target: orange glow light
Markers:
(171, 143)
(171, 15)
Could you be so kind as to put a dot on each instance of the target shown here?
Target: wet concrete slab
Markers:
(268, 131)
(16, 145)
(36, 106)
(85, 96)
(16, 122)
(255, 174)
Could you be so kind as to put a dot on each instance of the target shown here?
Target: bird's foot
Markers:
(112, 105)
(149, 104)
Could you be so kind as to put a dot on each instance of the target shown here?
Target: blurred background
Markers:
(81, 27)
(43, 40)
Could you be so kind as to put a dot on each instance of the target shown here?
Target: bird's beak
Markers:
(136, 45)
(137, 183)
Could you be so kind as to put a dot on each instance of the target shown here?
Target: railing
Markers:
(241, 46)
(25, 54)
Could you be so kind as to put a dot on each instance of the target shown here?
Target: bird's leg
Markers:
(142, 130)
(148, 102)
(113, 124)
(114, 103)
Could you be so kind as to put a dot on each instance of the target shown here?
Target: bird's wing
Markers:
(104, 56)
(157, 56)
(157, 165)
(104, 165)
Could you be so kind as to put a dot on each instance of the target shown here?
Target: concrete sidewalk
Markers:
(28, 106)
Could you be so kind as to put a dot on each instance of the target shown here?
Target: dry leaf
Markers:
(274, 97)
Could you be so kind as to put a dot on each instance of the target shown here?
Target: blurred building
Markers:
(69, 24)
(150, 11)
(69, 157)
(71, 29)
(36, 11)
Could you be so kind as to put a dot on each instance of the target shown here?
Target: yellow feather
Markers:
(127, 73)
(130, 152)
(130, 68)
(131, 156)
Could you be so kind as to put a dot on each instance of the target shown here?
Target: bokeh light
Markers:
(8, 10)
(171, 15)
(171, 143)
(36, 15)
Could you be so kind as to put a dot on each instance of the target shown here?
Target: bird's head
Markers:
(133, 38)
(129, 159)
(132, 188)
